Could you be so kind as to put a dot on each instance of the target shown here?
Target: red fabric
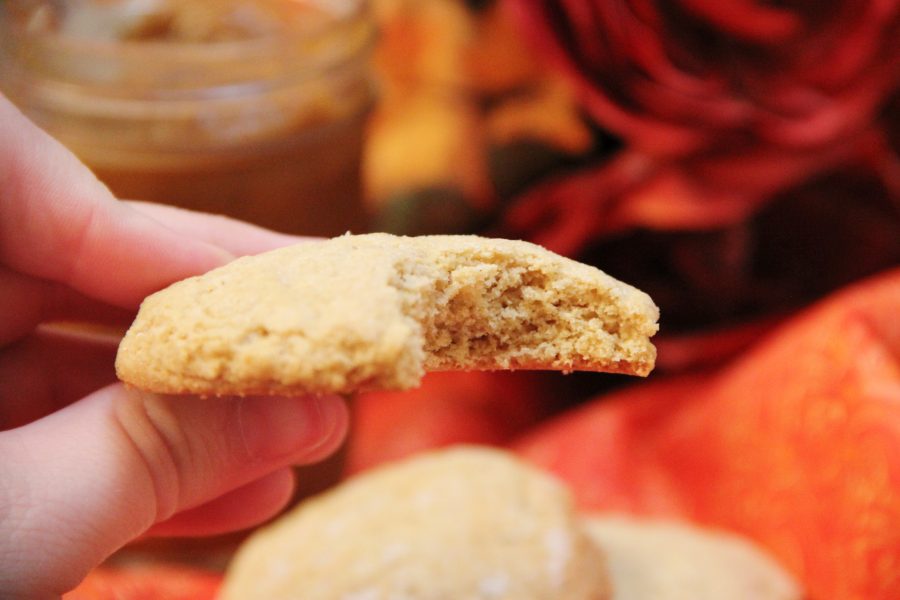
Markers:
(678, 77)
(721, 105)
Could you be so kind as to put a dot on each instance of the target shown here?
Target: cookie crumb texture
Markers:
(376, 311)
(460, 524)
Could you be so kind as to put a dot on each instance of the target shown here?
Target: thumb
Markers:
(79, 484)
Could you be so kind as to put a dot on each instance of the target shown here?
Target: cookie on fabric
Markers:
(464, 523)
(376, 311)
(663, 560)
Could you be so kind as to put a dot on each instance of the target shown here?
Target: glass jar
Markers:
(266, 127)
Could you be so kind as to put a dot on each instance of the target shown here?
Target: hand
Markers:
(81, 476)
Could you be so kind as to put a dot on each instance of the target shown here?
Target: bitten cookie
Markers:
(459, 524)
(376, 311)
(659, 560)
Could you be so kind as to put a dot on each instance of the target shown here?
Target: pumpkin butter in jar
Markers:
(250, 108)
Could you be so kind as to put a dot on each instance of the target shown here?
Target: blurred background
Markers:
(737, 160)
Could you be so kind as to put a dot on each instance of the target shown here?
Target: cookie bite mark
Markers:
(376, 311)
(510, 306)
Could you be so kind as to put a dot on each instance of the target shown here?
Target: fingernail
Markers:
(300, 428)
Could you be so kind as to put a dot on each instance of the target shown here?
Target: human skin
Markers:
(86, 464)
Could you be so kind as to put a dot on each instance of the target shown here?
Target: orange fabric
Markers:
(147, 583)
(448, 408)
(796, 444)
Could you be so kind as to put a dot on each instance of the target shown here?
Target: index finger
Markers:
(58, 222)
(235, 236)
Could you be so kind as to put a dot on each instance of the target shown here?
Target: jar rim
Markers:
(307, 49)
(357, 9)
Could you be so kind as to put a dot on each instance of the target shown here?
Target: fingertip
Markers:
(160, 255)
(337, 417)
(237, 237)
(113, 464)
(302, 429)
